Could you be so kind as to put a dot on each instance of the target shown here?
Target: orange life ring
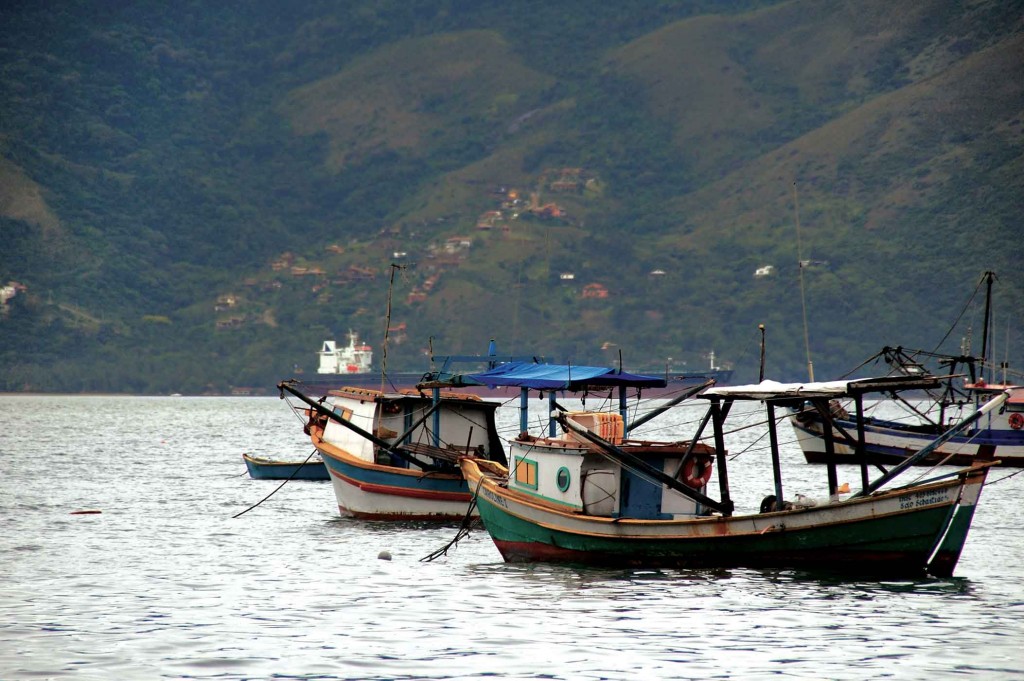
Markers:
(697, 472)
(1016, 420)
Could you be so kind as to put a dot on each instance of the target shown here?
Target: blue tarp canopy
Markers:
(562, 377)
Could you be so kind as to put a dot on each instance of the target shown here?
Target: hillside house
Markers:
(595, 291)
(302, 271)
(566, 185)
(283, 262)
(457, 244)
(764, 271)
(225, 301)
(230, 323)
(357, 273)
(488, 220)
(549, 210)
(10, 290)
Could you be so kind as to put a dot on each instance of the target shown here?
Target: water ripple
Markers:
(164, 583)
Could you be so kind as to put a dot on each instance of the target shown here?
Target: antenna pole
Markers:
(803, 297)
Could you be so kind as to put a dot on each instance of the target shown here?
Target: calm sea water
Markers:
(166, 583)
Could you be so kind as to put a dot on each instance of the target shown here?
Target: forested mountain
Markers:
(194, 195)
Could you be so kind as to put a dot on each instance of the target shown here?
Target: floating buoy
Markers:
(92, 512)
(384, 555)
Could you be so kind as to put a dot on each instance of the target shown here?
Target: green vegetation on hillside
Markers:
(193, 197)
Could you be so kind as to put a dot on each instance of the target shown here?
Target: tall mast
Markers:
(803, 298)
(387, 328)
(989, 276)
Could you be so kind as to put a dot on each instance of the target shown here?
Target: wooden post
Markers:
(552, 431)
(760, 375)
(830, 444)
(623, 409)
(718, 414)
(773, 440)
(524, 410)
(862, 454)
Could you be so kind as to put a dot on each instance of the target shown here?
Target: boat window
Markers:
(563, 478)
(526, 472)
(344, 412)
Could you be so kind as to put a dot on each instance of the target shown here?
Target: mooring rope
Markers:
(283, 483)
(464, 528)
(1005, 477)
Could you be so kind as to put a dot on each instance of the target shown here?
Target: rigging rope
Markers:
(962, 312)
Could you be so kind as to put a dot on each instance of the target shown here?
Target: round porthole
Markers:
(563, 478)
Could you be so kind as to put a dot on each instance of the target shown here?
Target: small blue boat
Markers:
(266, 469)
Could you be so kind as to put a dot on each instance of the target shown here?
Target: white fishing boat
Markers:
(892, 430)
(394, 455)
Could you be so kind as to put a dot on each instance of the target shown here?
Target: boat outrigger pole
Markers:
(687, 394)
(383, 444)
(994, 403)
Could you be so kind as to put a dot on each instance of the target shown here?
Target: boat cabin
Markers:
(573, 473)
(1008, 419)
(403, 428)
